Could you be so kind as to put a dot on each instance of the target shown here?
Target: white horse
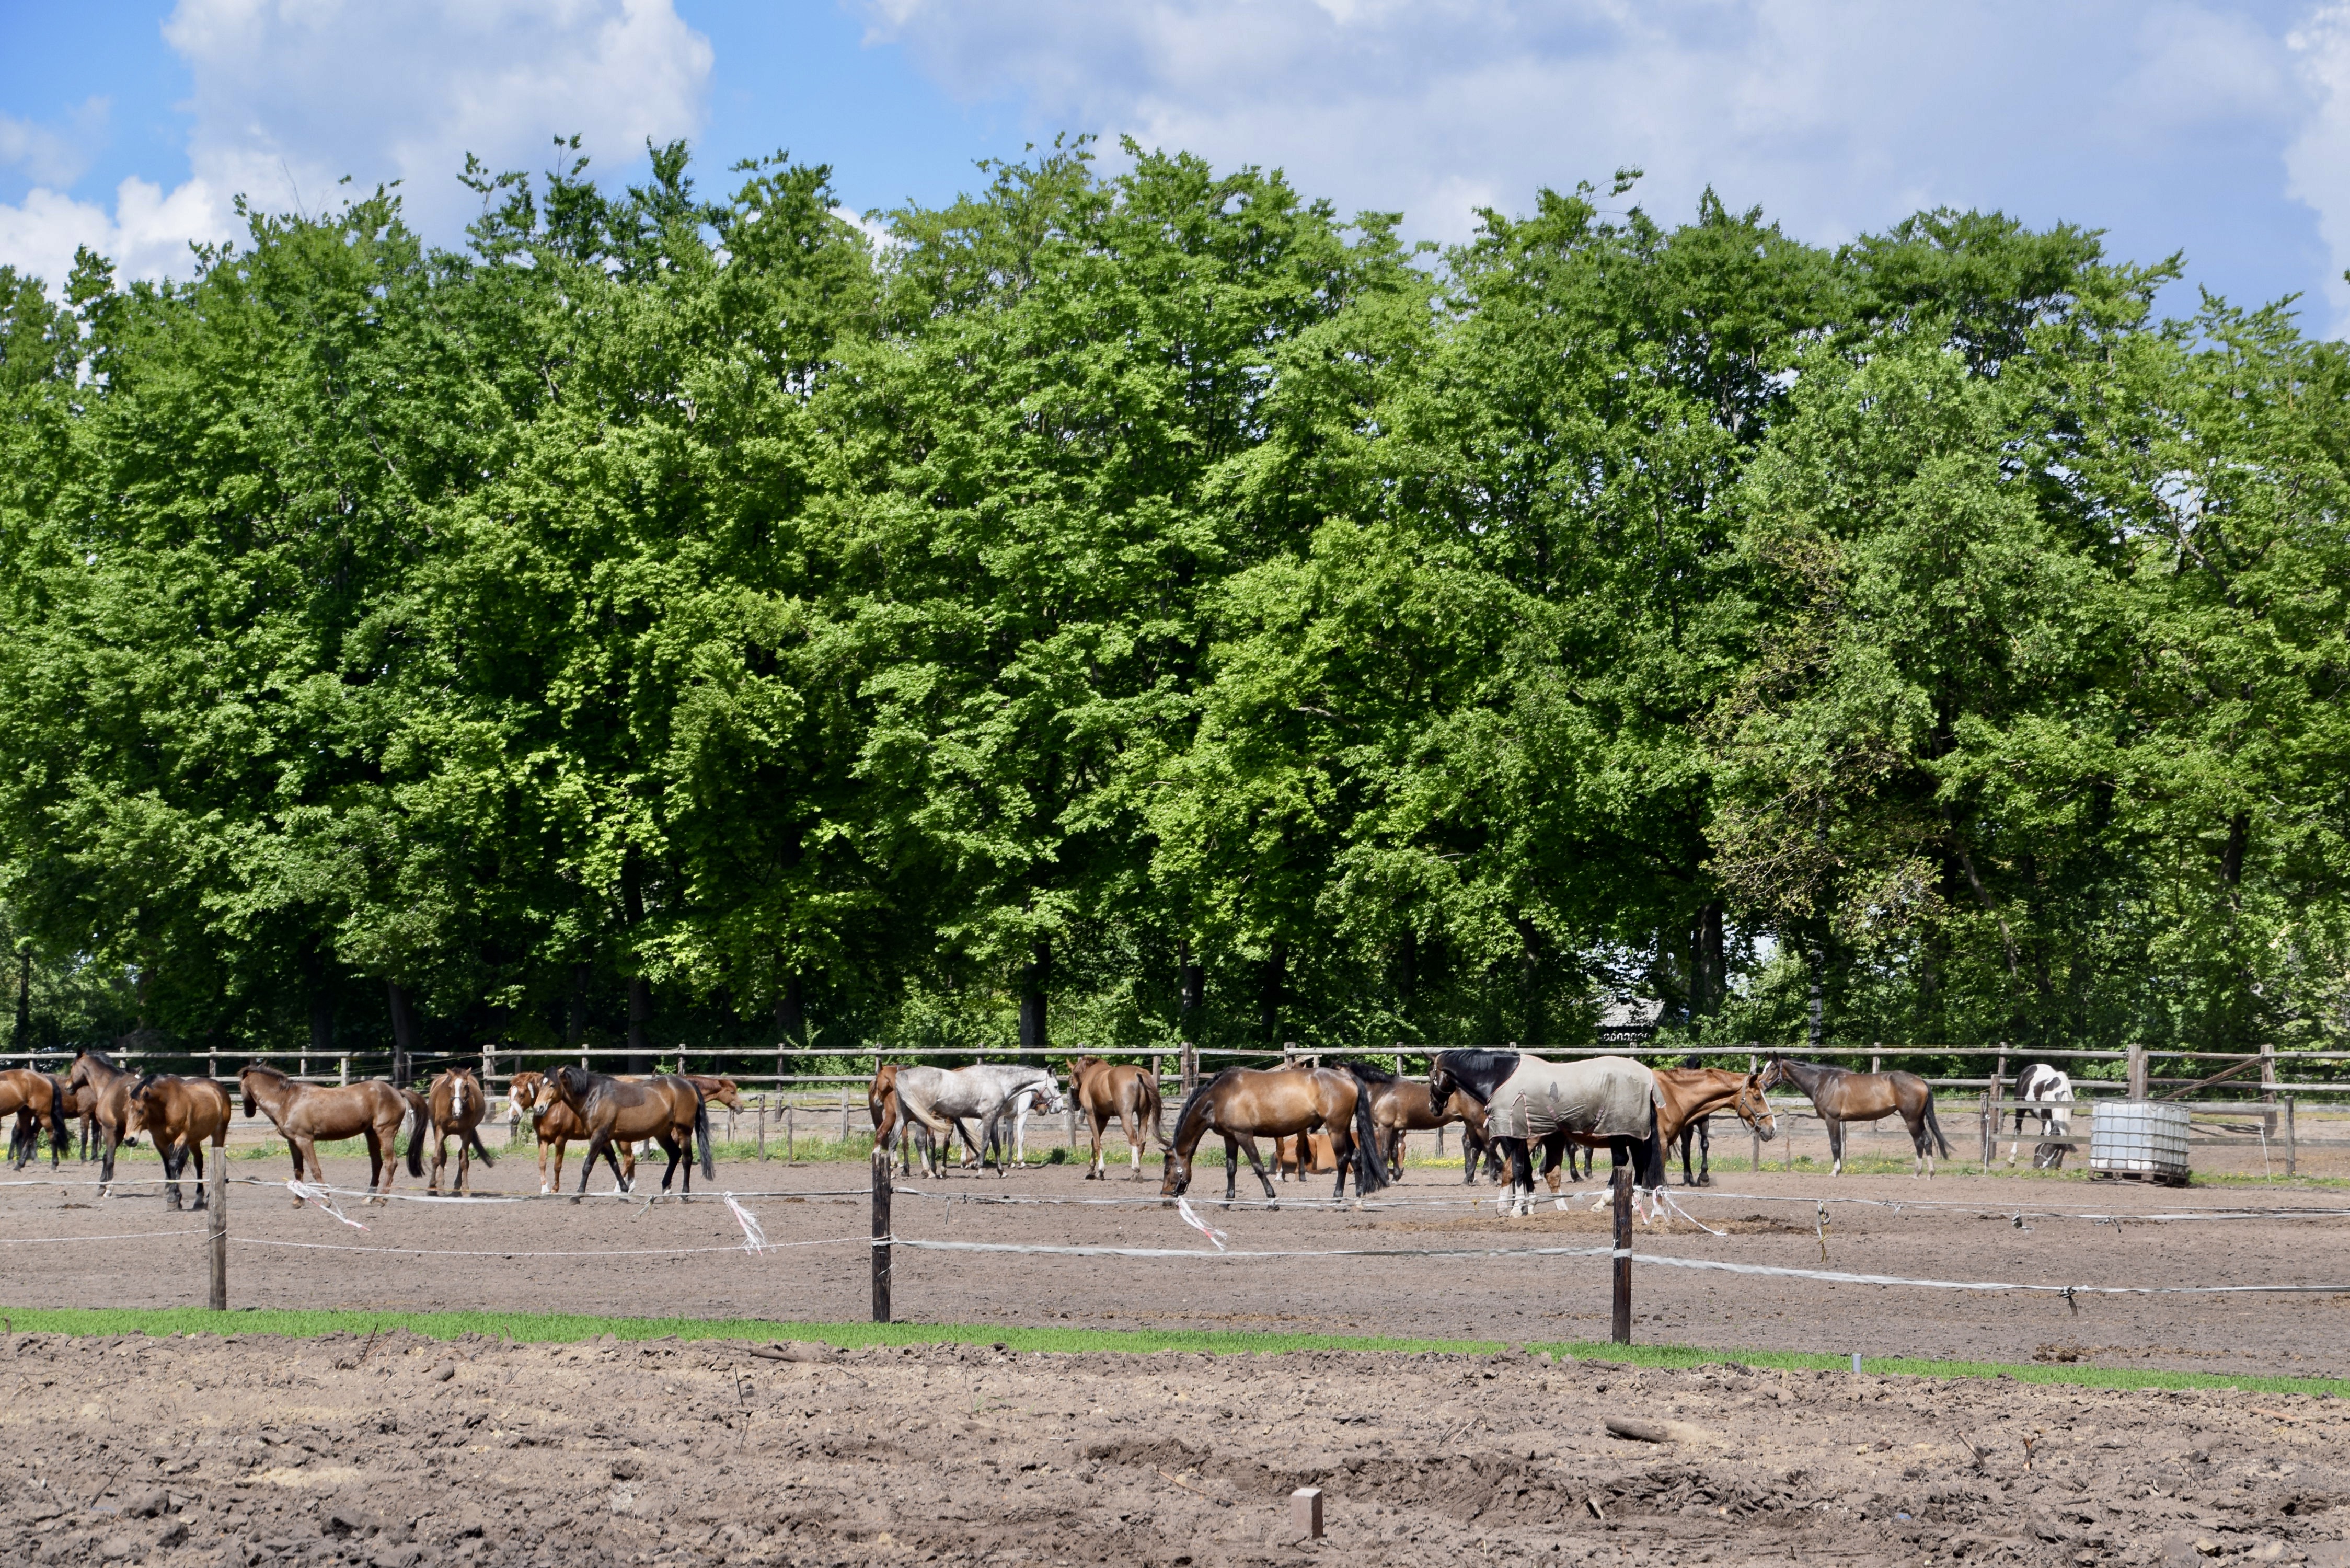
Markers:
(934, 1098)
(2044, 1083)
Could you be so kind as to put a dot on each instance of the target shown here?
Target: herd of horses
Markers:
(1351, 1119)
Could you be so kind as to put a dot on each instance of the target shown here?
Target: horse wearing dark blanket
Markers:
(1607, 1101)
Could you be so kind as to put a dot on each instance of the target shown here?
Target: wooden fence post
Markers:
(2291, 1159)
(1754, 1160)
(844, 1122)
(789, 1129)
(763, 1127)
(1623, 1255)
(1985, 1114)
(2268, 1086)
(219, 1184)
(2137, 1071)
(343, 1070)
(1998, 1092)
(881, 1182)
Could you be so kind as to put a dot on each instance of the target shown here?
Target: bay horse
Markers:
(1239, 1103)
(1841, 1095)
(668, 1109)
(36, 1099)
(555, 1127)
(1304, 1154)
(1401, 1106)
(372, 1109)
(1101, 1091)
(1592, 1101)
(183, 1115)
(457, 1104)
(107, 1088)
(1687, 1095)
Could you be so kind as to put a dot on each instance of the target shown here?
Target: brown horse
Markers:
(1102, 1091)
(81, 1105)
(1401, 1106)
(669, 1111)
(457, 1106)
(556, 1126)
(1688, 1094)
(717, 1091)
(1841, 1095)
(1307, 1154)
(183, 1115)
(108, 1087)
(38, 1100)
(305, 1113)
(1240, 1102)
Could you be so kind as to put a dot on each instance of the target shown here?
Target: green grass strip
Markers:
(571, 1328)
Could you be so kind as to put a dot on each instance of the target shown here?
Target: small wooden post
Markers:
(343, 1070)
(2136, 1072)
(790, 1154)
(844, 1118)
(1998, 1092)
(763, 1127)
(2291, 1153)
(881, 1181)
(1623, 1181)
(1289, 1053)
(219, 1199)
(2268, 1086)
(1987, 1139)
(212, 1065)
(1754, 1160)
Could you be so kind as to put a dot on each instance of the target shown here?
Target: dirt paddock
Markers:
(399, 1452)
(623, 1257)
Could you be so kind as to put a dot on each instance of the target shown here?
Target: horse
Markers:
(372, 1109)
(1240, 1102)
(716, 1091)
(1130, 1094)
(556, 1126)
(2042, 1082)
(182, 1114)
(36, 1098)
(669, 1109)
(1402, 1105)
(1688, 1097)
(1841, 1095)
(108, 1087)
(934, 1099)
(1304, 1154)
(1611, 1100)
(457, 1104)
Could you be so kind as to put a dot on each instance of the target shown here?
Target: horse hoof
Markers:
(1559, 1204)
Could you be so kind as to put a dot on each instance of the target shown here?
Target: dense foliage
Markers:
(1119, 609)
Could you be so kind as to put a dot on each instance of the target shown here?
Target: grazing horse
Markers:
(1609, 1100)
(934, 1099)
(37, 1099)
(457, 1104)
(182, 1114)
(669, 1111)
(1128, 1093)
(108, 1087)
(1841, 1095)
(2039, 1082)
(1238, 1103)
(305, 1113)
(1688, 1096)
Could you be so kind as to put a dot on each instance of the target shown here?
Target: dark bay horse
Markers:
(1401, 1106)
(38, 1100)
(108, 1087)
(305, 1113)
(556, 1126)
(669, 1111)
(1841, 1095)
(457, 1104)
(1241, 1103)
(183, 1115)
(1102, 1091)
(1483, 1074)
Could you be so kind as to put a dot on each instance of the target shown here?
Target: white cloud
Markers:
(292, 95)
(53, 155)
(2319, 159)
(1838, 118)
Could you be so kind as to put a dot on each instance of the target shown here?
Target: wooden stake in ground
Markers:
(881, 1184)
(219, 1185)
(1623, 1254)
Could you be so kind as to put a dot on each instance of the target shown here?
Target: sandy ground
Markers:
(627, 1257)
(398, 1452)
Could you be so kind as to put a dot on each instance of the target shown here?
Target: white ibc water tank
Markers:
(2146, 1138)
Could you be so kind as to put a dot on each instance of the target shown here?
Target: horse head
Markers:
(1753, 1109)
(1774, 1073)
(567, 1084)
(245, 1078)
(1441, 1084)
(1175, 1174)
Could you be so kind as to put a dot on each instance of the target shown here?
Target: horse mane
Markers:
(1368, 1072)
(1194, 1098)
(1480, 1056)
(102, 1059)
(264, 1068)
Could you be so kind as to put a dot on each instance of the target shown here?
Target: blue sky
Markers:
(2218, 127)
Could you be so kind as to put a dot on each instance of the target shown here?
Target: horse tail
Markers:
(60, 1128)
(423, 1110)
(702, 1131)
(1370, 1170)
(1654, 1176)
(1151, 1111)
(473, 1136)
(1934, 1125)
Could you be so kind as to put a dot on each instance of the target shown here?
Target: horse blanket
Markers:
(1598, 1096)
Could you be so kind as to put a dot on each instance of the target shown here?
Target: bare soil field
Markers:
(402, 1452)
(628, 1257)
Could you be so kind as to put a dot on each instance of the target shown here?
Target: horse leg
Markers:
(378, 1158)
(598, 1143)
(1342, 1154)
(1835, 1145)
(1130, 1119)
(668, 1140)
(305, 1159)
(1249, 1144)
(196, 1147)
(113, 1140)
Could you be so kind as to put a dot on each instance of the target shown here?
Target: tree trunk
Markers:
(1818, 965)
(1190, 992)
(1709, 971)
(1530, 983)
(791, 1011)
(1273, 982)
(2231, 858)
(576, 1023)
(640, 1017)
(1036, 975)
(403, 1033)
(24, 1001)
(322, 1022)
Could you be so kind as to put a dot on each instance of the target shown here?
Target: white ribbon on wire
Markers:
(319, 1196)
(754, 1240)
(1183, 1206)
